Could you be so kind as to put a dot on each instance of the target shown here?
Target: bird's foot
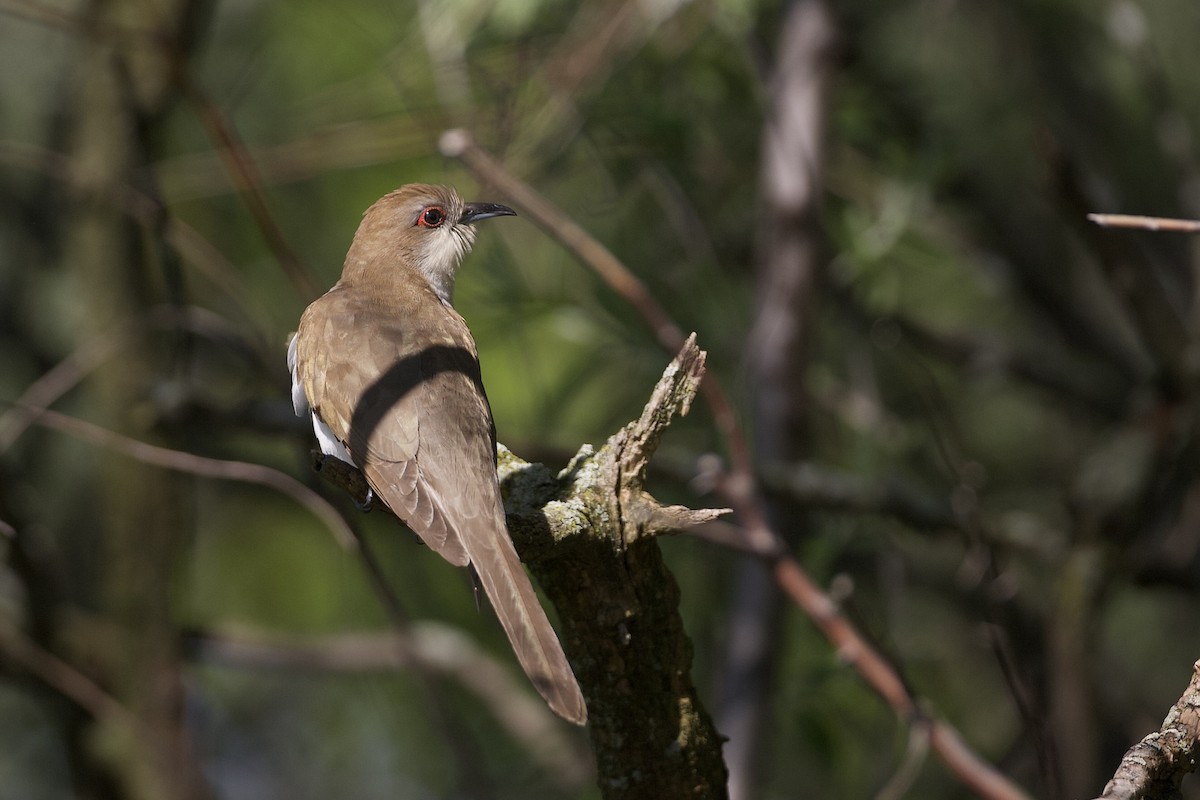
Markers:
(365, 505)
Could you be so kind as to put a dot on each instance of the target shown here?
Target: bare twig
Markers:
(1145, 223)
(977, 774)
(857, 652)
(915, 755)
(205, 467)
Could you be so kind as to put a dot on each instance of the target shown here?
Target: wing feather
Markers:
(389, 400)
(362, 376)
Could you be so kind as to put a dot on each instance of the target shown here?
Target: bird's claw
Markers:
(365, 505)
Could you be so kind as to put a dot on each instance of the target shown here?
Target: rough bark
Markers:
(1154, 768)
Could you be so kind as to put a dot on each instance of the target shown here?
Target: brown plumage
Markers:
(390, 374)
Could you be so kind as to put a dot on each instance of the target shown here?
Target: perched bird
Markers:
(390, 375)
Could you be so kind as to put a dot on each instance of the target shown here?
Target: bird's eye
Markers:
(431, 217)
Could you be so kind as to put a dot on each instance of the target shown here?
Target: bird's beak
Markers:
(474, 212)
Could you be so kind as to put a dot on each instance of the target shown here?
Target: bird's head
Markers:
(426, 227)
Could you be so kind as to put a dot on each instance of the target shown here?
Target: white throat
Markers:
(442, 256)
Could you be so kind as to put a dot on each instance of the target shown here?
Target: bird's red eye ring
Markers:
(431, 217)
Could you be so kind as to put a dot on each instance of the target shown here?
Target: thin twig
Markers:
(1145, 223)
(205, 467)
(980, 776)
(852, 648)
(915, 755)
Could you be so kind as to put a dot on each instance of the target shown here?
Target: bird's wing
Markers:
(417, 422)
(362, 377)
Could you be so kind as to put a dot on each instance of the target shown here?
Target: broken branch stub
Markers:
(631, 448)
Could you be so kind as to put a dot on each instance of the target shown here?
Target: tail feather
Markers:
(523, 619)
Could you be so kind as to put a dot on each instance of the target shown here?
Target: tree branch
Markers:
(1154, 768)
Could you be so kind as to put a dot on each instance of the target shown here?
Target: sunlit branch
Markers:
(1145, 223)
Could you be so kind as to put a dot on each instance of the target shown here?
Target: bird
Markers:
(389, 373)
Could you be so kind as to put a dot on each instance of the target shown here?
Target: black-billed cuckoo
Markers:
(390, 375)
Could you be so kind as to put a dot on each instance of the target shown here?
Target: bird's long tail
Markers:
(523, 619)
